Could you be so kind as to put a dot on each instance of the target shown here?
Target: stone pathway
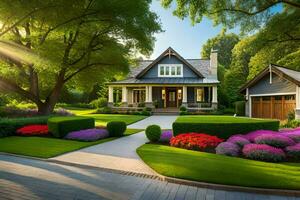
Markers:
(26, 179)
(165, 122)
(119, 154)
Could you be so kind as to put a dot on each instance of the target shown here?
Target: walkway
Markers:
(26, 179)
(165, 122)
(119, 154)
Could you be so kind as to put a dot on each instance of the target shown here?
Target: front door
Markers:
(171, 97)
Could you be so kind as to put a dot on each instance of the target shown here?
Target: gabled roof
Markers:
(168, 52)
(289, 74)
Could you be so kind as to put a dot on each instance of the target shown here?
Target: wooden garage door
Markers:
(276, 107)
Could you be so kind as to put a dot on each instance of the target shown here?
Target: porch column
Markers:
(110, 96)
(124, 96)
(297, 111)
(148, 102)
(215, 97)
(184, 96)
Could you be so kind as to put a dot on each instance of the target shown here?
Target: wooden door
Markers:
(172, 97)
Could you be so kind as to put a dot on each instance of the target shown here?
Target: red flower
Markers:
(195, 141)
(33, 130)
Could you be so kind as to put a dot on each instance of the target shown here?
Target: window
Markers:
(170, 70)
(139, 95)
(200, 94)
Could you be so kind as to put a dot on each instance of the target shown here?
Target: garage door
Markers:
(276, 107)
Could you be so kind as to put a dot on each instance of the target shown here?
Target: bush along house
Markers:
(168, 82)
(273, 93)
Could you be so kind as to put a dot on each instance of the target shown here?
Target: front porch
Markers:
(193, 97)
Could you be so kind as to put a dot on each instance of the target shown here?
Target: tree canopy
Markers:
(47, 44)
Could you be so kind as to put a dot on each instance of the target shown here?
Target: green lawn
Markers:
(216, 118)
(212, 168)
(43, 147)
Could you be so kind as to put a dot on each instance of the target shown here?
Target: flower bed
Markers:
(195, 141)
(228, 148)
(88, 134)
(293, 151)
(275, 140)
(263, 152)
(166, 136)
(32, 130)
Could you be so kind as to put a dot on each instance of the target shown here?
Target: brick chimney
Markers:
(214, 62)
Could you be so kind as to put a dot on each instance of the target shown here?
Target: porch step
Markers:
(165, 113)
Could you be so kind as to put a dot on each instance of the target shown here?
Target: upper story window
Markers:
(170, 70)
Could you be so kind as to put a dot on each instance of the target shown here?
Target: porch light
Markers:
(179, 94)
(163, 93)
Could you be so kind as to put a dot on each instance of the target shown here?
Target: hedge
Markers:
(240, 107)
(8, 126)
(116, 128)
(223, 129)
(61, 126)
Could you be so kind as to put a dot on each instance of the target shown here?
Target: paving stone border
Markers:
(173, 180)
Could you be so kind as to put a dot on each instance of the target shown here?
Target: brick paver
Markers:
(26, 179)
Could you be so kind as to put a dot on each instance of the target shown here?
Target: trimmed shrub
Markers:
(275, 140)
(183, 108)
(153, 133)
(145, 113)
(293, 151)
(104, 110)
(254, 134)
(31, 130)
(228, 149)
(195, 141)
(263, 152)
(166, 136)
(88, 134)
(116, 128)
(61, 126)
(224, 129)
(183, 113)
(238, 140)
(99, 103)
(148, 109)
(240, 108)
(8, 127)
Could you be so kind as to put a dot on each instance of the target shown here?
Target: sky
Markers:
(184, 38)
(179, 34)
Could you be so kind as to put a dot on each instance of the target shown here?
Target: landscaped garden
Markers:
(211, 149)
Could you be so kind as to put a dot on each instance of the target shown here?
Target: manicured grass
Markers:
(103, 119)
(43, 147)
(214, 119)
(132, 131)
(212, 168)
(80, 111)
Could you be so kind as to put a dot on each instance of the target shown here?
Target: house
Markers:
(273, 93)
(169, 81)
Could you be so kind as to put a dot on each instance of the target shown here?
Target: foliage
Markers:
(183, 108)
(263, 152)
(221, 126)
(148, 109)
(240, 107)
(153, 133)
(195, 141)
(292, 124)
(104, 110)
(61, 126)
(219, 169)
(294, 134)
(88, 134)
(278, 140)
(228, 149)
(8, 127)
(99, 103)
(293, 151)
(31, 130)
(61, 43)
(224, 43)
(145, 113)
(166, 136)
(116, 128)
(239, 140)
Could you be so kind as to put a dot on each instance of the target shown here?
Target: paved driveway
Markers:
(26, 179)
(165, 122)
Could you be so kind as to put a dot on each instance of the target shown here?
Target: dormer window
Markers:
(170, 70)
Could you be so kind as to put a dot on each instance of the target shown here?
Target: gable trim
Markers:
(169, 52)
(270, 69)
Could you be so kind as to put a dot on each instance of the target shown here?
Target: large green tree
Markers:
(47, 44)
(224, 43)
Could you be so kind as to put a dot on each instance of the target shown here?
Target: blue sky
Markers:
(184, 38)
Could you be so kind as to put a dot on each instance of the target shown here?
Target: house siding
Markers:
(190, 94)
(279, 85)
(153, 72)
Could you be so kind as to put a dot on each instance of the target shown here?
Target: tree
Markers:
(47, 44)
(248, 15)
(224, 43)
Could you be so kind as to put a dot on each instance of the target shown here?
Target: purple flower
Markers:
(275, 140)
(239, 140)
(228, 149)
(293, 134)
(263, 152)
(293, 151)
(252, 135)
(88, 134)
(166, 136)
